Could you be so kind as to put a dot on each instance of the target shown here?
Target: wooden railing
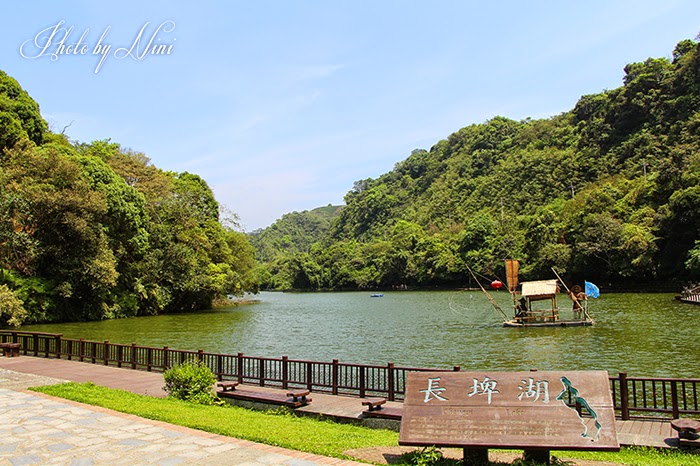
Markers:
(634, 397)
(643, 397)
(331, 377)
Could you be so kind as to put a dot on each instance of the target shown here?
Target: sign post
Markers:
(534, 411)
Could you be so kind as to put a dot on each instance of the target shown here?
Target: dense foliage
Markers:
(191, 381)
(93, 231)
(291, 236)
(609, 190)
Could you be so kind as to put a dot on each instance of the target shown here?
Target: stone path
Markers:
(38, 429)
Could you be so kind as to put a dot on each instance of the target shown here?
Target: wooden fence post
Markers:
(133, 355)
(81, 350)
(309, 376)
(261, 371)
(149, 358)
(105, 352)
(120, 355)
(219, 367)
(362, 381)
(675, 409)
(390, 381)
(624, 397)
(36, 344)
(334, 375)
(57, 340)
(285, 372)
(166, 356)
(240, 368)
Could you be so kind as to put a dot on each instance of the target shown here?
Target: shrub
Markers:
(191, 381)
(428, 456)
(12, 311)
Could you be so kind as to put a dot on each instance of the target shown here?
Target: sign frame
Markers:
(520, 410)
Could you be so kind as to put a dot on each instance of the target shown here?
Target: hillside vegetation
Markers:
(608, 191)
(94, 231)
(294, 233)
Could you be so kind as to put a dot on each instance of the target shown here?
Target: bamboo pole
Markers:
(572, 296)
(493, 302)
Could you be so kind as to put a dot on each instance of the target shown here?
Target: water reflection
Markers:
(636, 333)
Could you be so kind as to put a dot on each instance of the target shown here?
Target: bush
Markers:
(12, 311)
(428, 456)
(191, 381)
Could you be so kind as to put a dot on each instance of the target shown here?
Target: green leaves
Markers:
(191, 381)
(19, 115)
(12, 311)
(91, 231)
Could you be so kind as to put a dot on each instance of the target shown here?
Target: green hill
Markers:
(293, 233)
(608, 191)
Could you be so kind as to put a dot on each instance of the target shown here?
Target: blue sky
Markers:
(281, 105)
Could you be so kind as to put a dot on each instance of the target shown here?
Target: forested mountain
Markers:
(293, 233)
(608, 191)
(93, 231)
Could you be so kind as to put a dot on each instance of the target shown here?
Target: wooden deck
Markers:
(649, 433)
(652, 433)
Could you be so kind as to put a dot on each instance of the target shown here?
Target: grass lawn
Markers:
(274, 428)
(302, 433)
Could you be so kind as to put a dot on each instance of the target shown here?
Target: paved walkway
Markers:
(141, 382)
(23, 443)
(38, 429)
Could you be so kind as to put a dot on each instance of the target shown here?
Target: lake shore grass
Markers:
(322, 437)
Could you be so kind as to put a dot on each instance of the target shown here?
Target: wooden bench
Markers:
(688, 430)
(299, 395)
(376, 409)
(10, 349)
(271, 398)
(227, 385)
(373, 403)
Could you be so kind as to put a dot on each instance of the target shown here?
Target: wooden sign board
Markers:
(509, 410)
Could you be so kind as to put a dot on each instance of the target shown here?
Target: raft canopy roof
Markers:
(540, 289)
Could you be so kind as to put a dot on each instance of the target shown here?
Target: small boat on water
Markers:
(537, 306)
(535, 302)
(377, 295)
(690, 295)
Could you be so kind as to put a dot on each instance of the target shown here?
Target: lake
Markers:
(641, 334)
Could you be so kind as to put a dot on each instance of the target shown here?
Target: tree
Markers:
(62, 216)
(19, 114)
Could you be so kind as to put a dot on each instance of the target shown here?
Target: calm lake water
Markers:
(641, 334)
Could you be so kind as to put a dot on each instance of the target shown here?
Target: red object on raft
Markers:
(496, 284)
